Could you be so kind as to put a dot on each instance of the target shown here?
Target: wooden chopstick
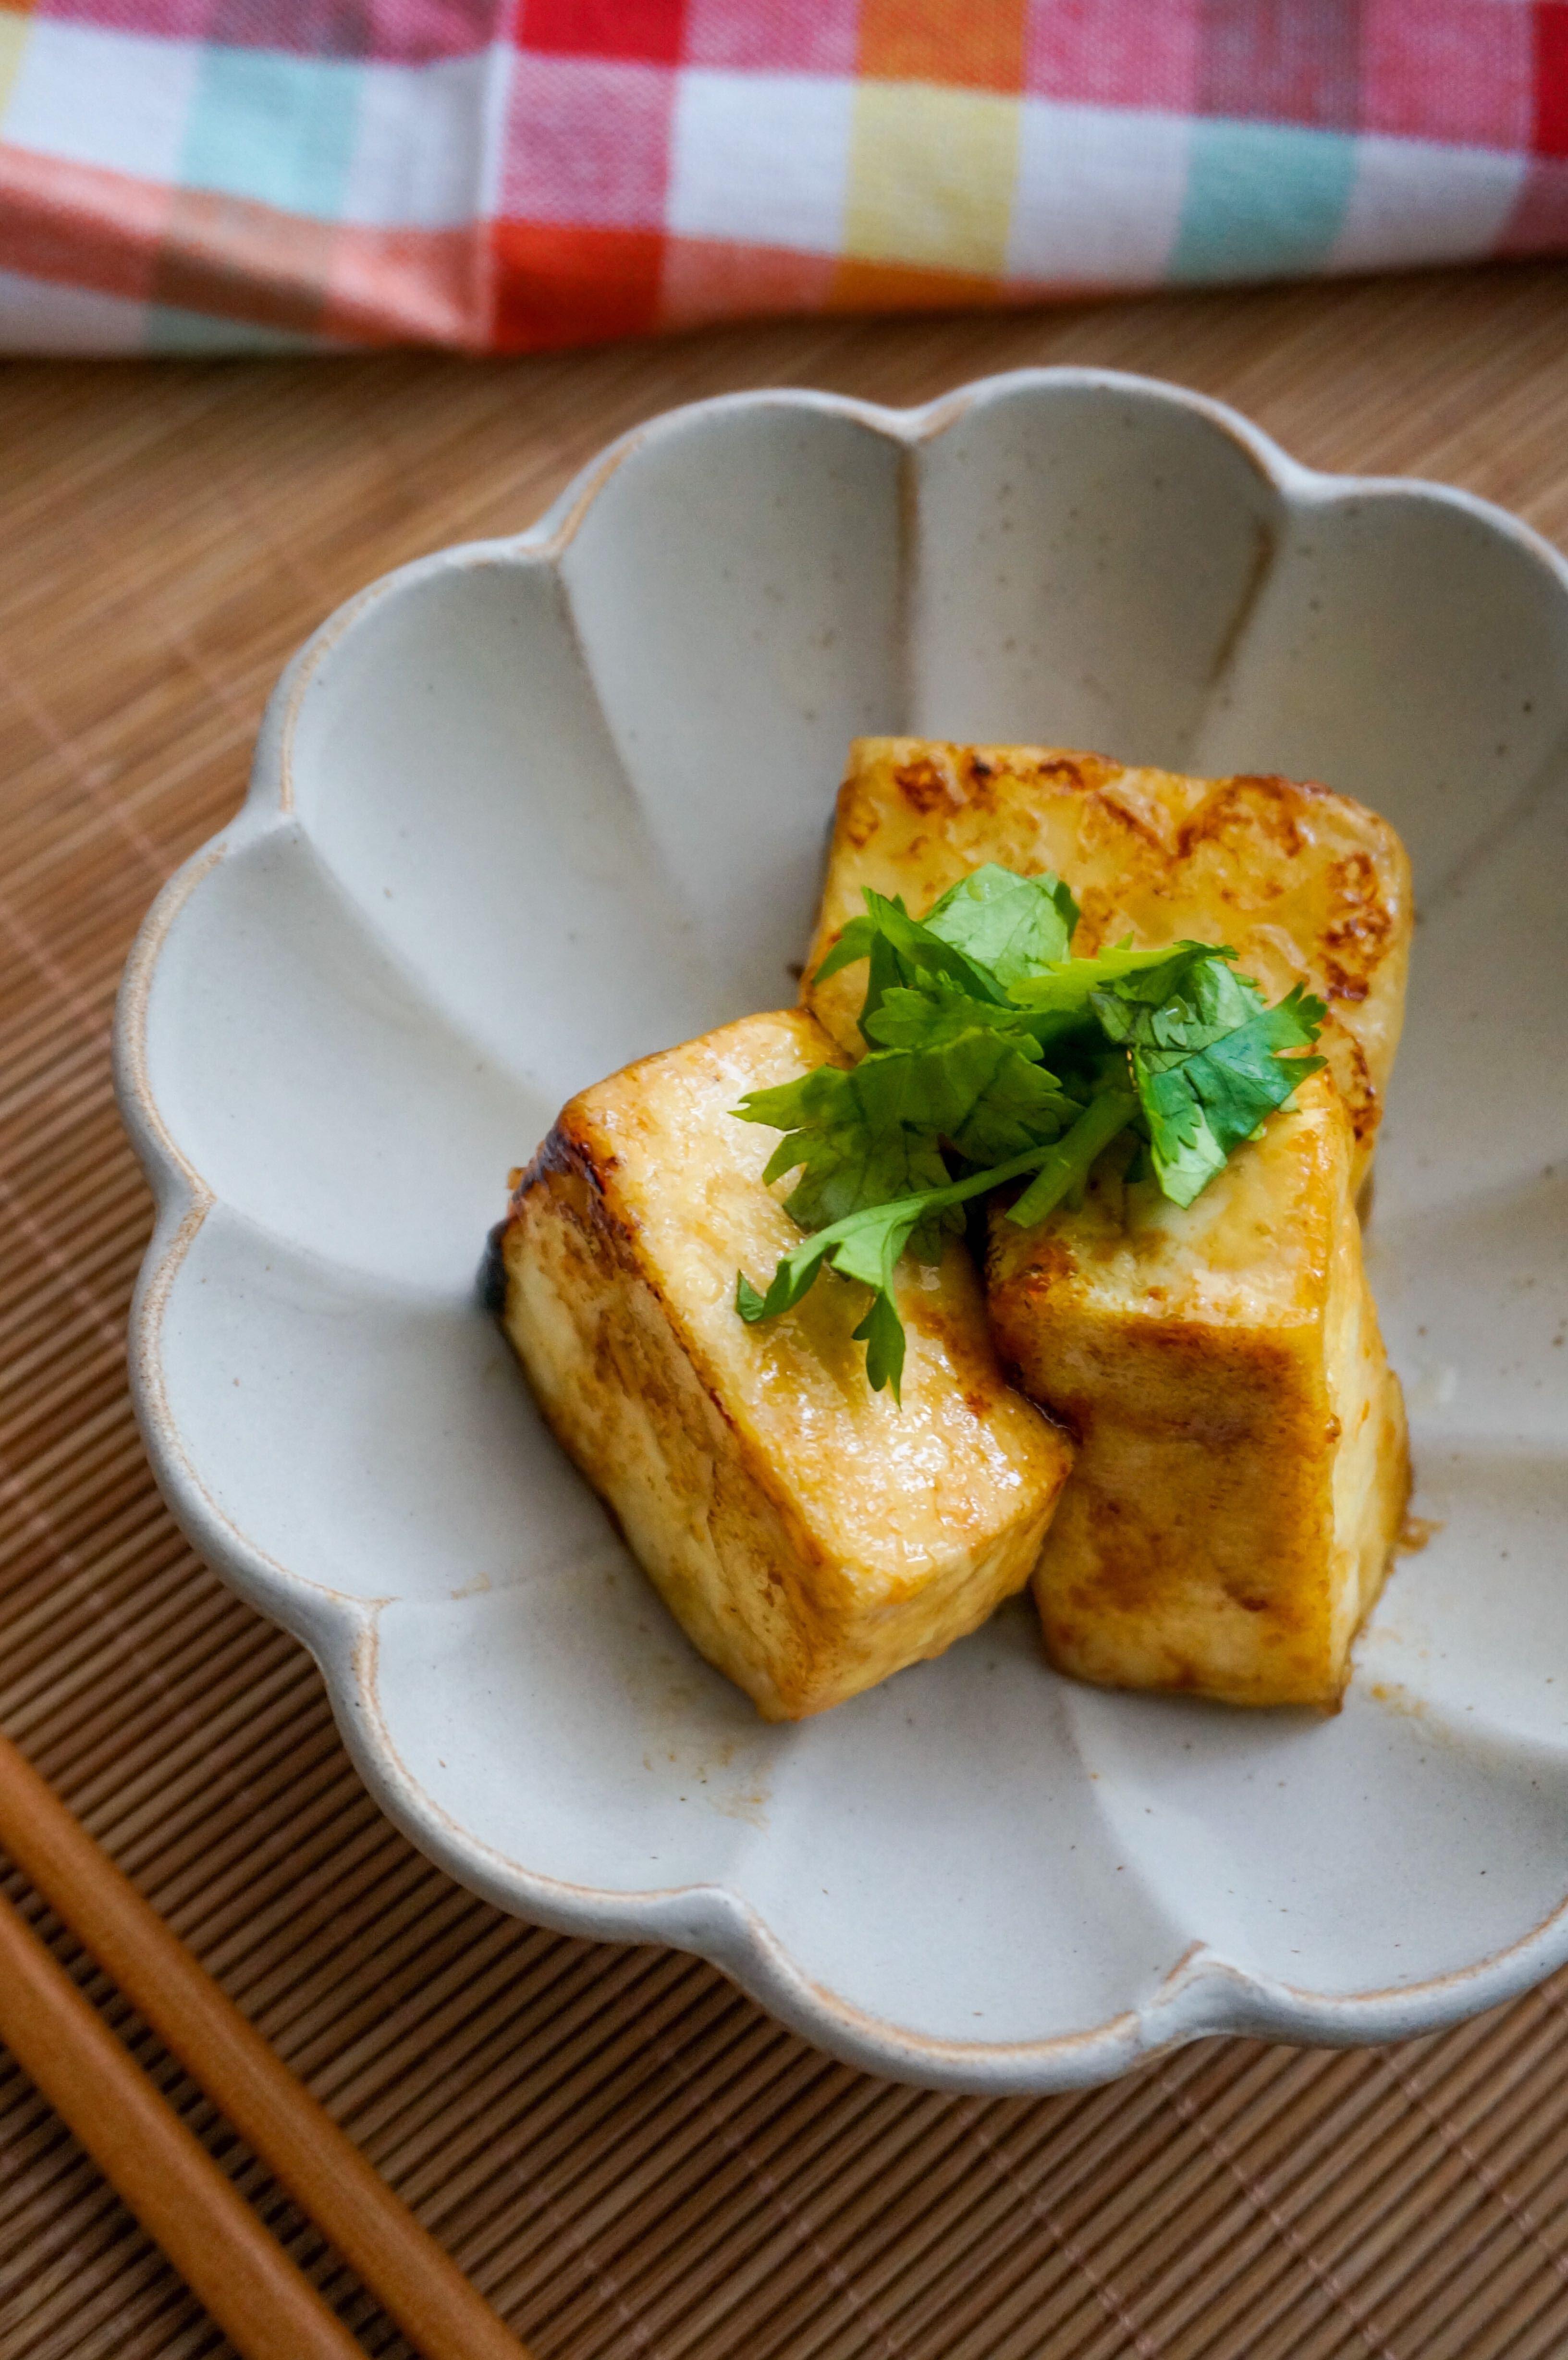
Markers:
(416, 2282)
(162, 2170)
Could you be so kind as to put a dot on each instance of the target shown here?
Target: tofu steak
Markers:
(810, 1536)
(1242, 1469)
(1308, 886)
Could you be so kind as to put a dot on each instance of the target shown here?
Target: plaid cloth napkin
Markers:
(502, 175)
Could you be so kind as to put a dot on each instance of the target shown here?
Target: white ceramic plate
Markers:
(528, 809)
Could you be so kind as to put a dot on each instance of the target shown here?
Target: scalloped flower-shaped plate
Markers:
(528, 809)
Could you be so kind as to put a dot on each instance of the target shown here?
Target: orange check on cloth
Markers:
(508, 175)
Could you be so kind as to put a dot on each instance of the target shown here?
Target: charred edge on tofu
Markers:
(491, 1283)
(564, 1156)
(558, 1155)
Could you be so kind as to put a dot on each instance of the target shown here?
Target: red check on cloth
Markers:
(216, 174)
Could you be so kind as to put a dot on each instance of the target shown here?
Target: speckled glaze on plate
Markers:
(526, 809)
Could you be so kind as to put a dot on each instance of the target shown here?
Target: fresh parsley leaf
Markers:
(882, 1333)
(1011, 927)
(1195, 998)
(990, 930)
(903, 950)
(857, 1247)
(751, 1305)
(856, 1135)
(865, 1134)
(1209, 1062)
(938, 1013)
(1064, 993)
(980, 1077)
(1000, 1101)
(867, 1246)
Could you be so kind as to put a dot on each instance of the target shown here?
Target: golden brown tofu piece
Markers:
(1307, 886)
(810, 1535)
(1242, 1469)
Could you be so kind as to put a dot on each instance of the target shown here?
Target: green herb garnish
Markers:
(961, 1009)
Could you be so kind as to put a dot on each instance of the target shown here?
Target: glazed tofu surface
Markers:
(1306, 885)
(810, 1535)
(1243, 1470)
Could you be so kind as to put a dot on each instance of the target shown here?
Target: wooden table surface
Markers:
(628, 2156)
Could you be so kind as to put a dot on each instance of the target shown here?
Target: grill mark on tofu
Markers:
(925, 786)
(1246, 805)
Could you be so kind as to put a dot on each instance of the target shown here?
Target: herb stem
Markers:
(958, 1192)
(1067, 1162)
(1058, 1165)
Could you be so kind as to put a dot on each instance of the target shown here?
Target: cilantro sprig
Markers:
(961, 1009)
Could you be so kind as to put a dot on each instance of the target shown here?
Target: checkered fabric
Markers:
(503, 175)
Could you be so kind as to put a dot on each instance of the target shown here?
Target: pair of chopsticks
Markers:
(268, 2310)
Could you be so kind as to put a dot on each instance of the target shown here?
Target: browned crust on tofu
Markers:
(690, 1424)
(560, 1214)
(1243, 1466)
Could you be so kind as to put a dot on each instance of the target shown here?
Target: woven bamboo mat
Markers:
(628, 2156)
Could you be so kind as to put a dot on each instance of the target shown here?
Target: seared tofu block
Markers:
(1242, 1470)
(810, 1536)
(1308, 886)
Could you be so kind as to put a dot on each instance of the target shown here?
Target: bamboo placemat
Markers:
(627, 2156)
